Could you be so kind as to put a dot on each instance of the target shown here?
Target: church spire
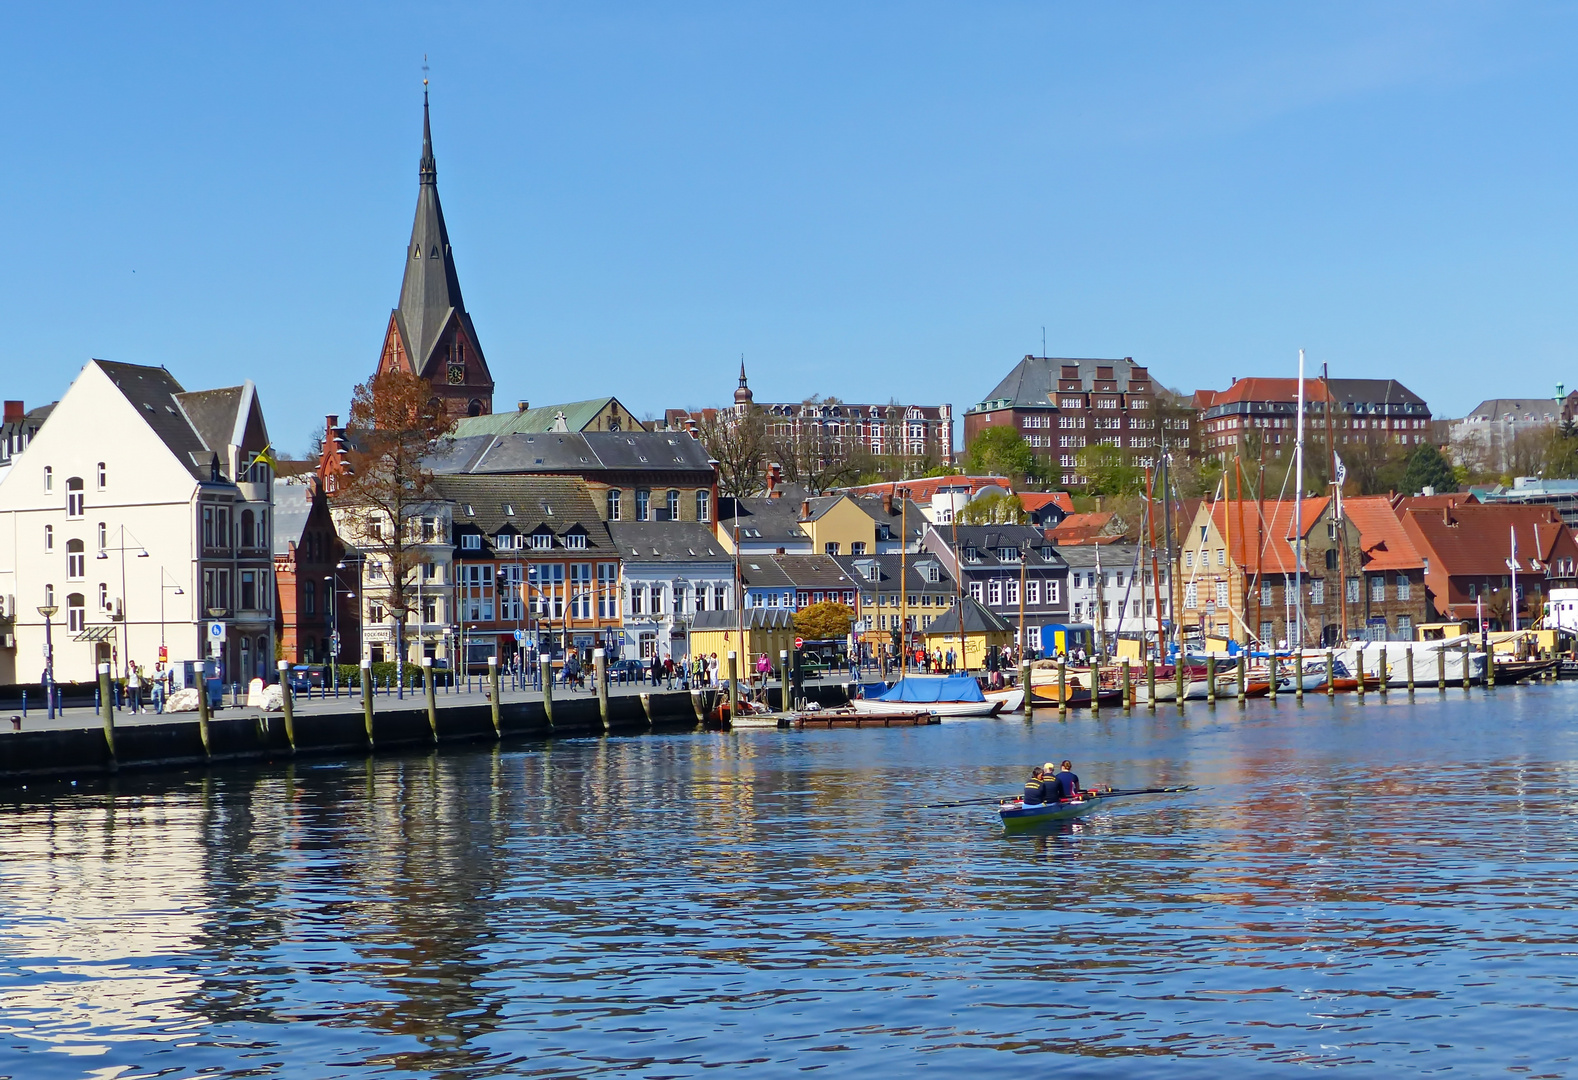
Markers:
(743, 396)
(427, 171)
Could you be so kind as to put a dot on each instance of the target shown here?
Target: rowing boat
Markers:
(1018, 817)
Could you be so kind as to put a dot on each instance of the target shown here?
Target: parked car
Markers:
(304, 677)
(627, 671)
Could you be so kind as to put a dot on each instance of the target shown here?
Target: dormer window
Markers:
(471, 541)
(1008, 554)
(575, 541)
(971, 555)
(543, 541)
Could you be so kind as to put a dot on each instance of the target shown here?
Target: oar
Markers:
(1147, 791)
(965, 802)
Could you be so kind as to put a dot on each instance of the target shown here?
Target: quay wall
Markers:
(398, 725)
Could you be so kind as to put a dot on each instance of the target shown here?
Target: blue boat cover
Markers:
(949, 688)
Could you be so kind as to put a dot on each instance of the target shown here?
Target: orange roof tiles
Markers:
(1382, 539)
(1260, 544)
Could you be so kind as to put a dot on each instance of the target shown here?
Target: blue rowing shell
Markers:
(1017, 815)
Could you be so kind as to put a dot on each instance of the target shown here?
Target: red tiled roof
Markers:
(1261, 389)
(924, 488)
(1382, 539)
(1084, 529)
(1261, 544)
(1035, 500)
(1476, 540)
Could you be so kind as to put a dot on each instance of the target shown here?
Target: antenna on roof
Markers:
(1043, 343)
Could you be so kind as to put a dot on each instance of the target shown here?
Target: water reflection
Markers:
(1353, 884)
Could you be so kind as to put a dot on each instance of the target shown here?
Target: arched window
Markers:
(475, 408)
(49, 478)
(76, 614)
(49, 538)
(103, 476)
(74, 499)
(614, 497)
(671, 505)
(703, 505)
(247, 523)
(76, 561)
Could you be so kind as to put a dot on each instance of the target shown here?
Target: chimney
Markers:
(14, 412)
(1446, 515)
(805, 510)
(775, 476)
(887, 503)
(692, 429)
(522, 406)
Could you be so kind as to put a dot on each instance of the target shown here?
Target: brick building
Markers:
(1063, 405)
(1467, 549)
(1362, 411)
(317, 614)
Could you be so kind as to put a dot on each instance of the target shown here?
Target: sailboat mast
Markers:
(1298, 515)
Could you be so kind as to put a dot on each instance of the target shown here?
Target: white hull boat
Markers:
(1013, 699)
(939, 708)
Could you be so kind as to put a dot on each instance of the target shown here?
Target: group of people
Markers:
(1049, 783)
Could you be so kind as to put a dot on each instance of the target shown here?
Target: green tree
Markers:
(829, 619)
(1107, 470)
(1000, 451)
(1428, 468)
(994, 509)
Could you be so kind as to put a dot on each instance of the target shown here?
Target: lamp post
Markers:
(142, 553)
(49, 611)
(173, 585)
(334, 622)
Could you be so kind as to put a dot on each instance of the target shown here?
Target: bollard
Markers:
(1062, 687)
(1128, 687)
(1024, 683)
(1385, 672)
(1210, 677)
(600, 674)
(1095, 685)
(202, 713)
(1467, 668)
(107, 701)
(1298, 674)
(1358, 662)
(784, 704)
(1150, 682)
(1271, 670)
(493, 691)
(1241, 675)
(1178, 673)
(1440, 670)
(734, 686)
(288, 705)
(367, 699)
(546, 671)
(1410, 669)
(428, 689)
(1331, 682)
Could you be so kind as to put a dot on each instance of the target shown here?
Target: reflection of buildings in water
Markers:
(101, 895)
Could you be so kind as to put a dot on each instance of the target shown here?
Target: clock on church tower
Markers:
(457, 374)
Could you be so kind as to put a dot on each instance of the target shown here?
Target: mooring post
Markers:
(1271, 670)
(546, 673)
(1024, 682)
(1242, 676)
(1490, 666)
(784, 704)
(1358, 654)
(1178, 673)
(432, 700)
(287, 704)
(367, 699)
(1384, 669)
(1062, 687)
(1298, 674)
(1440, 670)
(1095, 685)
(1128, 686)
(493, 692)
(202, 712)
(600, 676)
(1331, 671)
(1468, 667)
(1410, 661)
(734, 686)
(1210, 677)
(1150, 682)
(107, 706)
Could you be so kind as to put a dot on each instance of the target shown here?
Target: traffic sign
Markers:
(799, 643)
(216, 631)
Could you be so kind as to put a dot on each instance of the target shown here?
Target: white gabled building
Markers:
(138, 512)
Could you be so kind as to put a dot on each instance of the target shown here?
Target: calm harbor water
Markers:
(1385, 885)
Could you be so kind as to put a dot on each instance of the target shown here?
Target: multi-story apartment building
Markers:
(135, 529)
(897, 593)
(317, 612)
(1061, 406)
(1266, 410)
(1488, 437)
(1008, 569)
(17, 430)
(672, 571)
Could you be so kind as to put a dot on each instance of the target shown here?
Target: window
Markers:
(638, 596)
(643, 504)
(581, 590)
(49, 479)
(994, 594)
(703, 506)
(671, 506)
(74, 498)
(830, 548)
(208, 526)
(607, 590)
(857, 547)
(1353, 590)
(102, 476)
(1033, 591)
(1405, 589)
(975, 591)
(1188, 560)
(657, 599)
(429, 571)
(1405, 627)
(476, 592)
(248, 522)
(1221, 556)
(76, 614)
(76, 561)
(575, 541)
(375, 613)
(222, 528)
(1331, 558)
(1011, 592)
(1265, 592)
(1377, 588)
(249, 590)
(614, 496)
(1221, 594)
(1053, 591)
(49, 538)
(49, 596)
(542, 541)
(429, 530)
(471, 541)
(1318, 593)
(430, 609)
(1191, 595)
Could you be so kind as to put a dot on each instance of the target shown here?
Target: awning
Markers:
(97, 633)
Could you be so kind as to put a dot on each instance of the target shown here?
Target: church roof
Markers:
(430, 292)
(578, 415)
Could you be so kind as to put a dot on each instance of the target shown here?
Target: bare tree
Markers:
(396, 420)
(738, 442)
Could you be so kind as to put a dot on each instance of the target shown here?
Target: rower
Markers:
(1035, 790)
(1067, 781)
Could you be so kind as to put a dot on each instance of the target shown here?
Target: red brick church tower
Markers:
(430, 333)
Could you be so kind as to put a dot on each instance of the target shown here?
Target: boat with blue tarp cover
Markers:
(945, 695)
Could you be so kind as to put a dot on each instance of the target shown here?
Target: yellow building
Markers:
(765, 630)
(982, 630)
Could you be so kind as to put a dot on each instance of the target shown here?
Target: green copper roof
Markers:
(577, 416)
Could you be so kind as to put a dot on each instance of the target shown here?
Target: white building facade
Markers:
(139, 518)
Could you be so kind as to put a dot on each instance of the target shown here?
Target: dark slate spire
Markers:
(430, 293)
(743, 396)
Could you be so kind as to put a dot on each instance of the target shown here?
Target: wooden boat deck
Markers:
(854, 719)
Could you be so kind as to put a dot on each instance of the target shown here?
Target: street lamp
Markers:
(175, 586)
(49, 611)
(334, 623)
(142, 553)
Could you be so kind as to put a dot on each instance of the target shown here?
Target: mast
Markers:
(1513, 563)
(1174, 586)
(1156, 578)
(958, 586)
(1101, 604)
(1342, 534)
(904, 581)
(1298, 515)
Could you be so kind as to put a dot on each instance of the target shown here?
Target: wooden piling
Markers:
(1358, 660)
(1095, 685)
(1024, 683)
(734, 689)
(1242, 676)
(493, 696)
(1410, 662)
(367, 699)
(1210, 678)
(287, 704)
(1385, 671)
(1180, 676)
(547, 687)
(1440, 670)
(1467, 668)
(432, 700)
(1298, 674)
(1128, 686)
(1271, 671)
(1331, 673)
(107, 706)
(1062, 687)
(1150, 682)
(203, 712)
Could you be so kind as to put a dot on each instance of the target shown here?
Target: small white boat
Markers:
(943, 695)
(1013, 699)
(877, 706)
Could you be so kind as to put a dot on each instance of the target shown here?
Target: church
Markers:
(430, 334)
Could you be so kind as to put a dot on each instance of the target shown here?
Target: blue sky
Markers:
(868, 200)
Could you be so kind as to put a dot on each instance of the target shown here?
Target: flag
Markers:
(1342, 478)
(265, 456)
